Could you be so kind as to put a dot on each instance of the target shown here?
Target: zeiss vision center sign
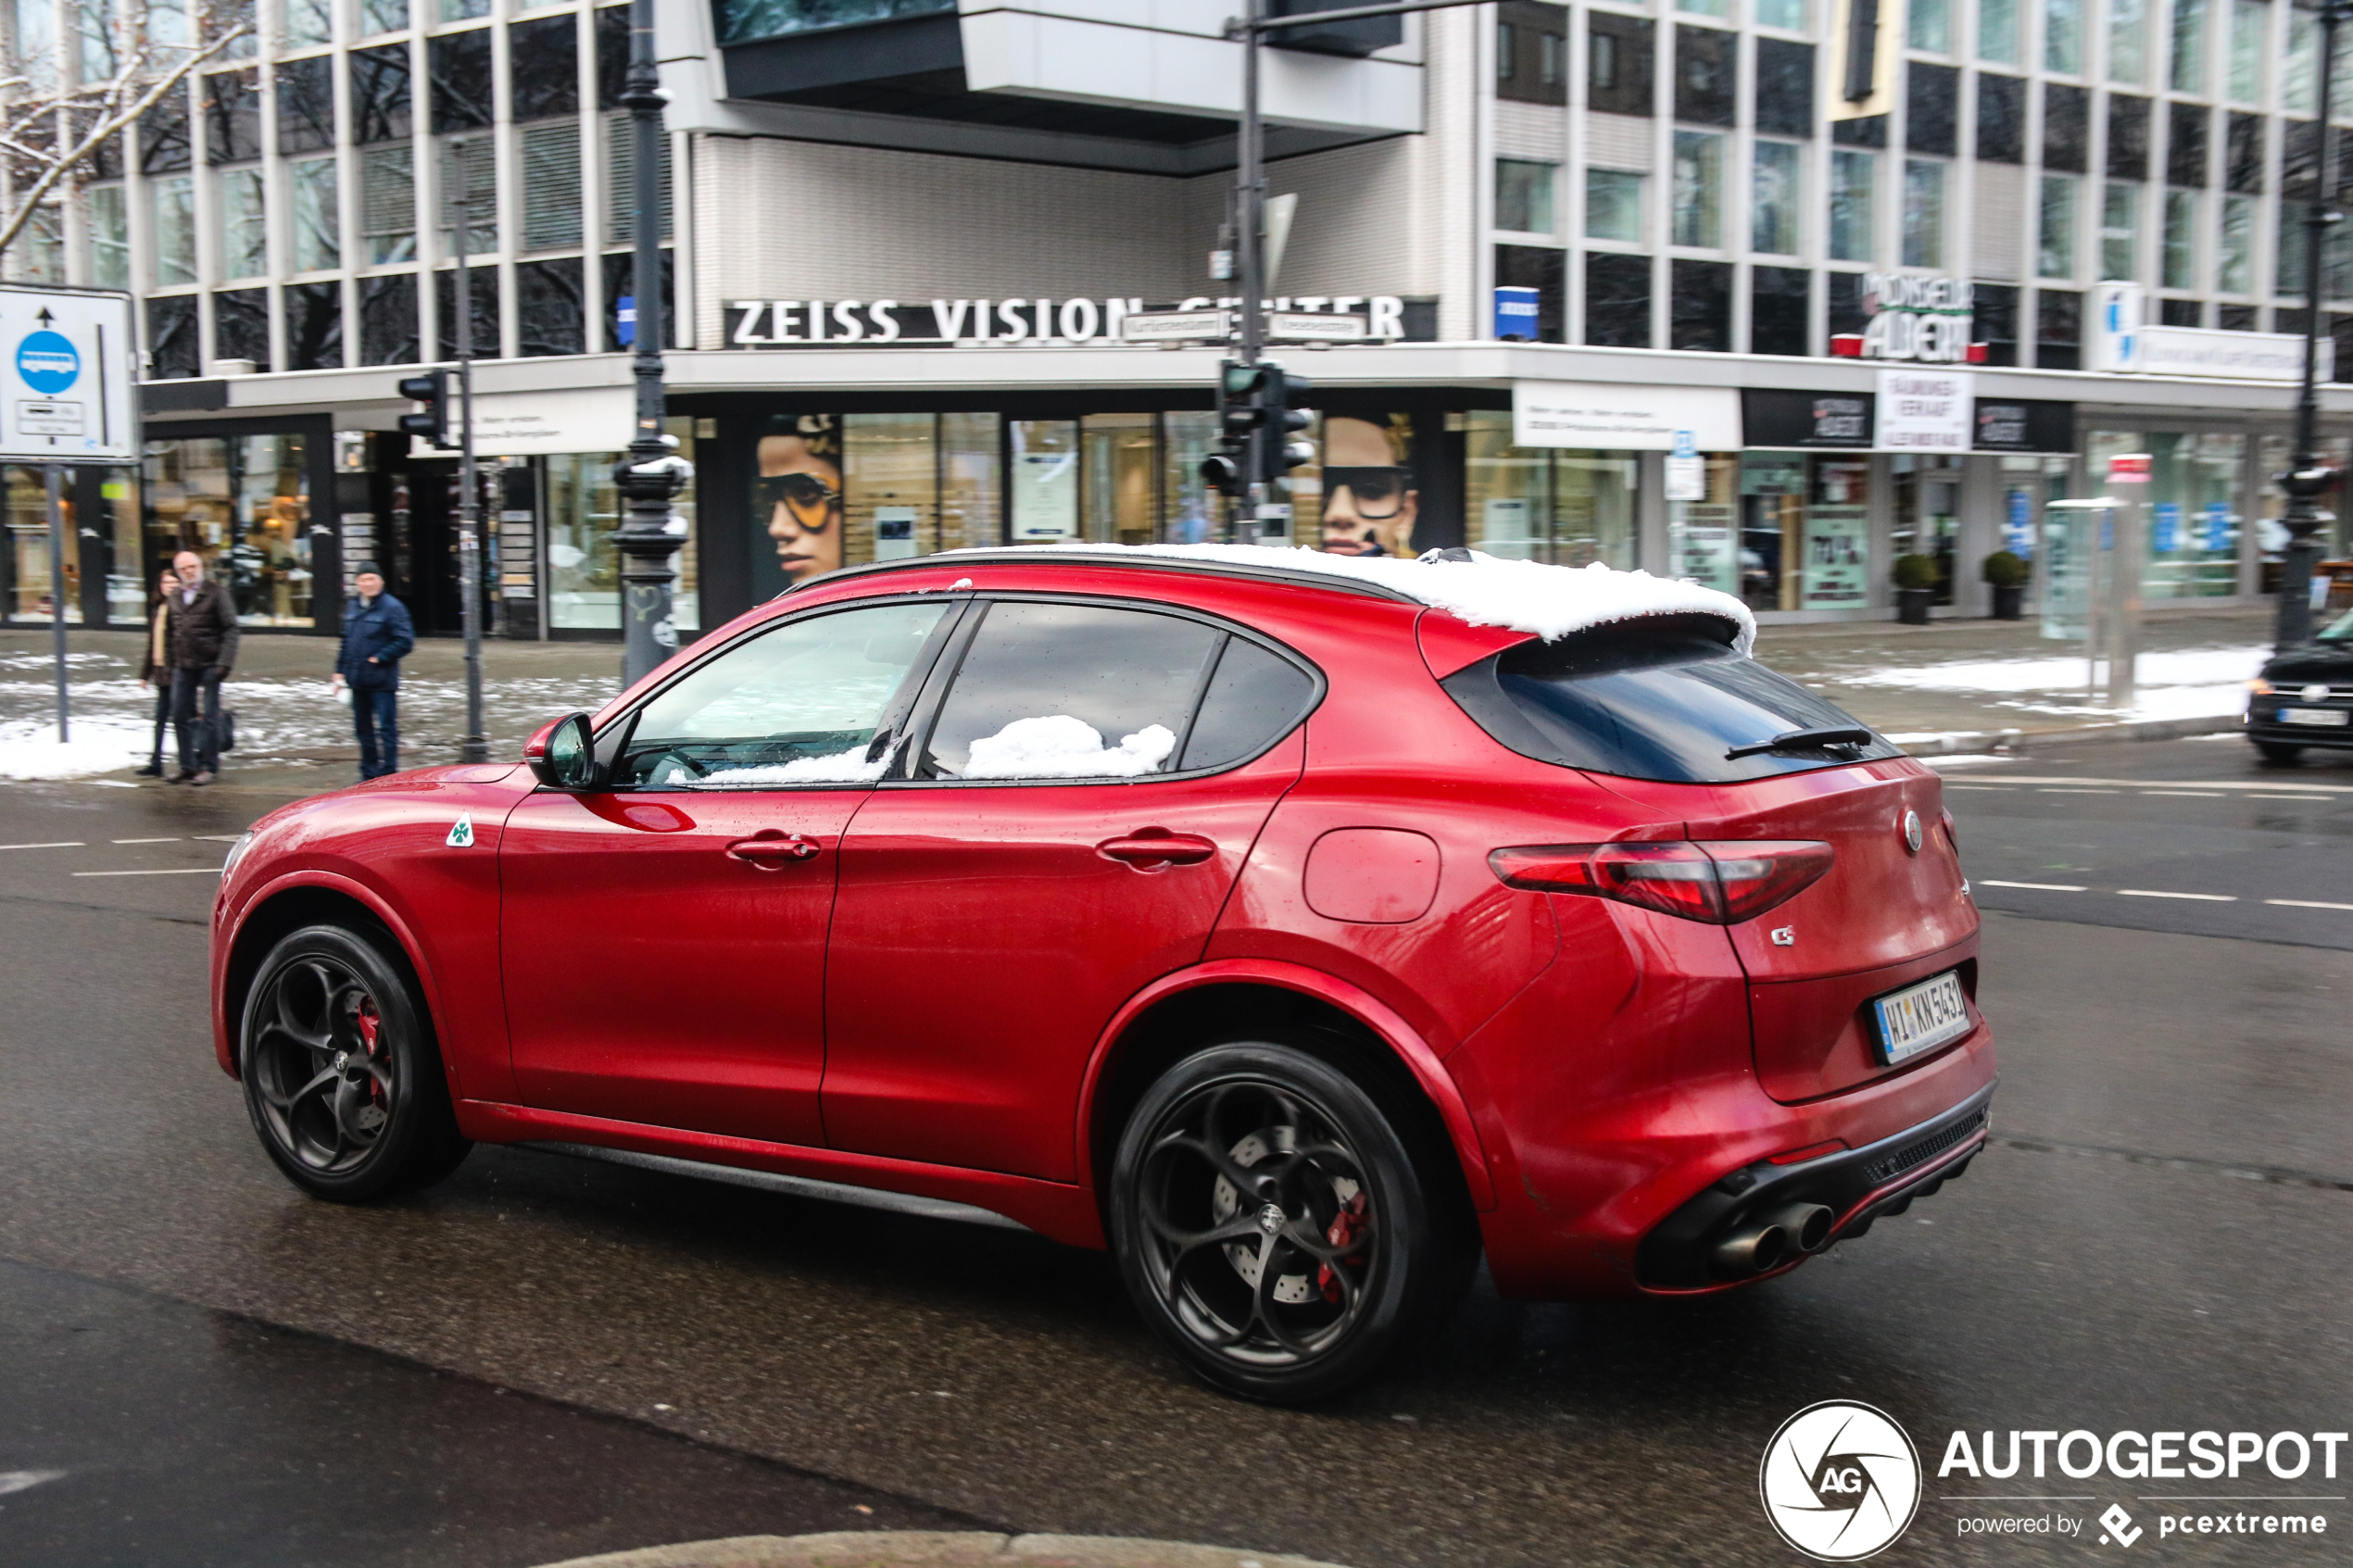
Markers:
(69, 376)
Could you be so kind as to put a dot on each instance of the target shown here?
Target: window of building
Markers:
(1617, 300)
(1705, 7)
(2180, 313)
(2058, 330)
(2186, 146)
(2055, 248)
(318, 243)
(2188, 74)
(174, 221)
(1524, 195)
(1784, 87)
(1786, 14)
(2243, 78)
(2120, 231)
(109, 238)
(1552, 59)
(2243, 153)
(1706, 80)
(1923, 213)
(483, 286)
(552, 203)
(1699, 189)
(379, 99)
(2128, 137)
(1545, 269)
(1780, 299)
(39, 253)
(163, 136)
(2297, 84)
(458, 67)
(314, 326)
(171, 336)
(1614, 205)
(240, 326)
(463, 10)
(388, 319)
(2179, 266)
(1773, 199)
(1997, 32)
(245, 225)
(306, 104)
(1700, 314)
(543, 62)
(2066, 134)
(1931, 119)
(1506, 48)
(1617, 63)
(2235, 256)
(2063, 36)
(383, 16)
(2001, 118)
(1854, 181)
(388, 204)
(551, 313)
(1565, 507)
(1931, 29)
(2127, 39)
(308, 22)
(232, 117)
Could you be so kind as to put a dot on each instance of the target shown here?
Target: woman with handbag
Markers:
(155, 667)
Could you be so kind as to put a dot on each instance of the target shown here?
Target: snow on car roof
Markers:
(1549, 602)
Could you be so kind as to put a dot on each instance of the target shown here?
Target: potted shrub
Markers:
(1915, 588)
(2006, 574)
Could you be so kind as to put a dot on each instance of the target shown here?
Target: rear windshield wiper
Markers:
(1806, 740)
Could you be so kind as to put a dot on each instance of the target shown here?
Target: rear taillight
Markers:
(1719, 881)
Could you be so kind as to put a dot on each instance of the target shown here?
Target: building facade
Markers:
(901, 235)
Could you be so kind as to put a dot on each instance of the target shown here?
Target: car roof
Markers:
(1046, 554)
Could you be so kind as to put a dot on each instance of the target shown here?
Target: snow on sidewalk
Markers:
(28, 747)
(2191, 683)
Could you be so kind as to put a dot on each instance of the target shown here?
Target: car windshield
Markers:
(1663, 699)
(2342, 631)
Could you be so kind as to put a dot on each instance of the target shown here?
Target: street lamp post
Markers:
(2308, 475)
(652, 474)
(474, 746)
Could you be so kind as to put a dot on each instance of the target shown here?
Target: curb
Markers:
(936, 1548)
(1956, 743)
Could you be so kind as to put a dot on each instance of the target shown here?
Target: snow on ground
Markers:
(28, 747)
(2191, 683)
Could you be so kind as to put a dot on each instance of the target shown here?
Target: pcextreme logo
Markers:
(1841, 1481)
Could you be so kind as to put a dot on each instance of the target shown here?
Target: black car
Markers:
(2304, 698)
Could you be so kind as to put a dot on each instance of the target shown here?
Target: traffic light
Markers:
(431, 424)
(1284, 397)
(1240, 413)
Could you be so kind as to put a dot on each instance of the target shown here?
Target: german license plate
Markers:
(2314, 715)
(1921, 1018)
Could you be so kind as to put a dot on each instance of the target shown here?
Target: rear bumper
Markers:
(1856, 1184)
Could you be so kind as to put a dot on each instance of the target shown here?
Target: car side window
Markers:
(1254, 699)
(1071, 691)
(798, 705)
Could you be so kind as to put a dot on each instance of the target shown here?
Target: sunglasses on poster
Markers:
(810, 498)
(1377, 491)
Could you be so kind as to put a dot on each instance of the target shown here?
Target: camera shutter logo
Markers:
(1840, 1481)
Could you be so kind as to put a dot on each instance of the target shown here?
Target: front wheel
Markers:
(1274, 1225)
(2278, 752)
(341, 1074)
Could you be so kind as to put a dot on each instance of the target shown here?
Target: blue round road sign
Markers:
(47, 362)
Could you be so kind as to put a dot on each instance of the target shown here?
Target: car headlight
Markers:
(236, 853)
(2261, 687)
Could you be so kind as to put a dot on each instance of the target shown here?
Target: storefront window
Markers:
(583, 570)
(1044, 454)
(970, 481)
(2194, 515)
(1119, 471)
(890, 485)
(1927, 497)
(1702, 533)
(1772, 528)
(1189, 514)
(1836, 573)
(1566, 508)
(2275, 456)
(243, 503)
(28, 502)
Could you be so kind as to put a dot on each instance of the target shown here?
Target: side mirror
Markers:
(563, 756)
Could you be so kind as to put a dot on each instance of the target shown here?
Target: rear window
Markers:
(1665, 699)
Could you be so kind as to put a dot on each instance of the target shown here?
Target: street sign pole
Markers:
(54, 476)
(475, 746)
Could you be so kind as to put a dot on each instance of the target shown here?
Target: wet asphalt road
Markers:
(2155, 1242)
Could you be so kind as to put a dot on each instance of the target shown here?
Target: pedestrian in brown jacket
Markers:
(154, 667)
(200, 635)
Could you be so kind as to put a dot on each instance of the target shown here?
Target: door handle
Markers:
(769, 849)
(1150, 849)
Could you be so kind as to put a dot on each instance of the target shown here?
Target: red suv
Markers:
(1246, 913)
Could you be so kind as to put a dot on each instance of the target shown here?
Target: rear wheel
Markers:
(1278, 1228)
(2279, 752)
(341, 1074)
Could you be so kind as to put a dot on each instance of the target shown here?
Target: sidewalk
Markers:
(1917, 684)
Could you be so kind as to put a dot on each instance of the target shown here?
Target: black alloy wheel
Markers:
(341, 1075)
(1276, 1228)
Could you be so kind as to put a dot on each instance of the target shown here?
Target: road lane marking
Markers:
(174, 839)
(1988, 789)
(2035, 887)
(61, 844)
(2209, 794)
(169, 871)
(2289, 797)
(2201, 897)
(23, 1480)
(2079, 792)
(218, 837)
(2305, 904)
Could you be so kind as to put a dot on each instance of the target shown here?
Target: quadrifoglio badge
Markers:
(1841, 1481)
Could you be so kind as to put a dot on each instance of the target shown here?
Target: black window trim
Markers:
(944, 670)
(612, 739)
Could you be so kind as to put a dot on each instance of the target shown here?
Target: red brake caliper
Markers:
(1346, 1227)
(369, 1022)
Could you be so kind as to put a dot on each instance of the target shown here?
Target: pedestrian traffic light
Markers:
(431, 424)
(1284, 397)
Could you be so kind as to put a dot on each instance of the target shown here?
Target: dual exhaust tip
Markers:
(1764, 1242)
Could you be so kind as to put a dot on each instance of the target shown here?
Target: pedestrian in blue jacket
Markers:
(376, 638)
